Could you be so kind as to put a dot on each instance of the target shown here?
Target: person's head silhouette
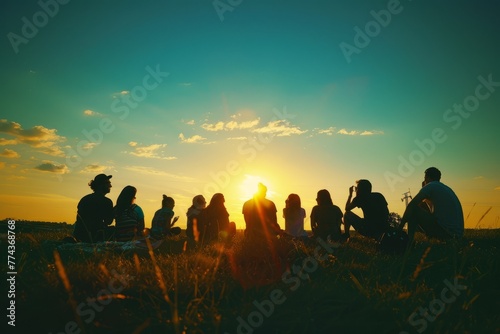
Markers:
(261, 191)
(101, 184)
(432, 174)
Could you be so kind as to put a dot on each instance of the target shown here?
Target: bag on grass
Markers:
(394, 241)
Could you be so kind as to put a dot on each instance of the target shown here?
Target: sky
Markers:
(200, 97)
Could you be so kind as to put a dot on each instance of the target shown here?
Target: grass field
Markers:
(306, 288)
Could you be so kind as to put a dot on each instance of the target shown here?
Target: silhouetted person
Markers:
(163, 221)
(435, 210)
(375, 221)
(129, 217)
(192, 231)
(95, 212)
(260, 216)
(213, 221)
(294, 215)
(326, 217)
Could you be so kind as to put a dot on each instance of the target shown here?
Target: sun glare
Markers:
(249, 184)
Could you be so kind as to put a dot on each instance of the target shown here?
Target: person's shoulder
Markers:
(89, 197)
(432, 186)
(136, 208)
(336, 208)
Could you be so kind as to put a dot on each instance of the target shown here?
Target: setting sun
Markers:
(249, 186)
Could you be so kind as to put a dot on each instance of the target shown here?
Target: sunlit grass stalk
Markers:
(137, 263)
(358, 284)
(175, 308)
(61, 271)
(484, 215)
(473, 205)
(163, 287)
(421, 264)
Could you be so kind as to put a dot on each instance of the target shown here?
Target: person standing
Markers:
(95, 212)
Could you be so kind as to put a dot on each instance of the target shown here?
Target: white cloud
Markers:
(280, 128)
(191, 140)
(329, 132)
(7, 153)
(237, 138)
(152, 171)
(231, 125)
(152, 151)
(95, 169)
(52, 167)
(371, 133)
(343, 131)
(120, 94)
(190, 122)
(349, 133)
(43, 139)
(213, 127)
(89, 112)
(4, 142)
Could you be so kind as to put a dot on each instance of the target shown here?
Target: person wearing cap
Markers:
(95, 212)
(435, 210)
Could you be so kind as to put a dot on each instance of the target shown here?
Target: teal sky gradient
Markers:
(348, 119)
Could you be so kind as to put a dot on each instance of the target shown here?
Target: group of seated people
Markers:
(435, 211)
(96, 213)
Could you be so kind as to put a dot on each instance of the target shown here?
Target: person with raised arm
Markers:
(375, 221)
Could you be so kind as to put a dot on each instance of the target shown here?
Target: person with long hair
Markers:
(214, 221)
(375, 221)
(294, 216)
(163, 221)
(192, 230)
(326, 218)
(129, 217)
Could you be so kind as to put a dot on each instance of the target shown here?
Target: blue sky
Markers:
(261, 91)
